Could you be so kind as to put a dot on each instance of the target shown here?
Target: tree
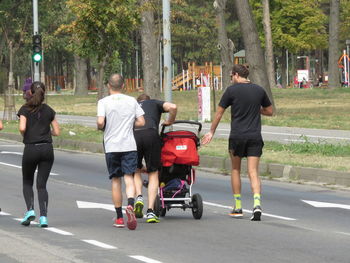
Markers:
(270, 61)
(101, 27)
(225, 45)
(254, 52)
(150, 44)
(333, 55)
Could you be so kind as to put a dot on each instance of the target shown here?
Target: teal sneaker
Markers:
(28, 217)
(139, 207)
(43, 221)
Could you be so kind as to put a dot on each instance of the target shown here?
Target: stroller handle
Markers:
(185, 122)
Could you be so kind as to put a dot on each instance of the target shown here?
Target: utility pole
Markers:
(167, 51)
(36, 32)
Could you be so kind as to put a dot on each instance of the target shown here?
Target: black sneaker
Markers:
(256, 216)
(236, 213)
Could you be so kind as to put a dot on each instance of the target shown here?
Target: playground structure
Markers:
(198, 76)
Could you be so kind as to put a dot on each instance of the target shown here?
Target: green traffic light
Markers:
(37, 57)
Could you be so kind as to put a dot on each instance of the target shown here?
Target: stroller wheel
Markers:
(197, 206)
(157, 206)
(162, 212)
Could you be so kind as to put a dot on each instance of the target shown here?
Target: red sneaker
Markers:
(131, 223)
(119, 222)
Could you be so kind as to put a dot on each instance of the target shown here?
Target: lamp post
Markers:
(36, 33)
(167, 51)
(348, 58)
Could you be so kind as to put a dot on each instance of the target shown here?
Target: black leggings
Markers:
(37, 156)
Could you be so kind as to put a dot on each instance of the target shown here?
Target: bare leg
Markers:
(253, 173)
(152, 188)
(236, 174)
(138, 182)
(129, 186)
(117, 192)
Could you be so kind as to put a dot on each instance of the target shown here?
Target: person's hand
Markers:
(167, 123)
(207, 138)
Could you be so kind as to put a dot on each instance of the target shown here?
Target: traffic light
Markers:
(37, 54)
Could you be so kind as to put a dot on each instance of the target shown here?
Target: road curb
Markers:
(223, 164)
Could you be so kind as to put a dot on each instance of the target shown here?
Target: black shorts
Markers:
(245, 147)
(121, 163)
(149, 148)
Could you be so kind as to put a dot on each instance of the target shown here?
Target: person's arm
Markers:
(1, 126)
(267, 111)
(100, 123)
(218, 115)
(140, 121)
(172, 109)
(22, 124)
(55, 131)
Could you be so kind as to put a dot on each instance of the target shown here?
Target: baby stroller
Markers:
(176, 176)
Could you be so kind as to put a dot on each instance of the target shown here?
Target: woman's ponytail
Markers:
(38, 96)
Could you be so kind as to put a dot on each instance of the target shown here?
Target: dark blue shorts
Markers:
(121, 163)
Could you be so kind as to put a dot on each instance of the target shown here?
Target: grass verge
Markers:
(307, 154)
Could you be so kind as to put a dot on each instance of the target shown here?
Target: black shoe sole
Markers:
(256, 216)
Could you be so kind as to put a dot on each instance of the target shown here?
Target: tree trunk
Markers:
(81, 84)
(283, 63)
(102, 89)
(225, 45)
(254, 52)
(333, 72)
(150, 51)
(270, 64)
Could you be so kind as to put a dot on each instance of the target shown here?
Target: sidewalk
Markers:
(222, 165)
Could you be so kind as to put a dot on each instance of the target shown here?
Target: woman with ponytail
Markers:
(37, 124)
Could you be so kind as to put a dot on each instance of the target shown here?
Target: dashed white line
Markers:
(249, 211)
(343, 233)
(98, 244)
(20, 167)
(59, 231)
(2, 213)
(14, 153)
(145, 259)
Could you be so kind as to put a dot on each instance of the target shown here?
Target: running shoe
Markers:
(43, 221)
(152, 218)
(28, 217)
(256, 216)
(236, 213)
(119, 222)
(131, 223)
(138, 207)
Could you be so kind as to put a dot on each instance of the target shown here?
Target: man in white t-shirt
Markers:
(116, 116)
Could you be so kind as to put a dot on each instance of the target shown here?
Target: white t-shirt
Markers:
(120, 112)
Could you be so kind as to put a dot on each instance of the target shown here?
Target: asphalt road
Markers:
(291, 230)
(269, 133)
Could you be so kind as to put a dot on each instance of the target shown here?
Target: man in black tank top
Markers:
(248, 102)
(149, 148)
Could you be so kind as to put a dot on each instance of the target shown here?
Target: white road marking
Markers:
(58, 231)
(326, 205)
(83, 204)
(249, 211)
(11, 145)
(145, 259)
(20, 167)
(31, 222)
(14, 153)
(98, 244)
(2, 213)
(343, 233)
